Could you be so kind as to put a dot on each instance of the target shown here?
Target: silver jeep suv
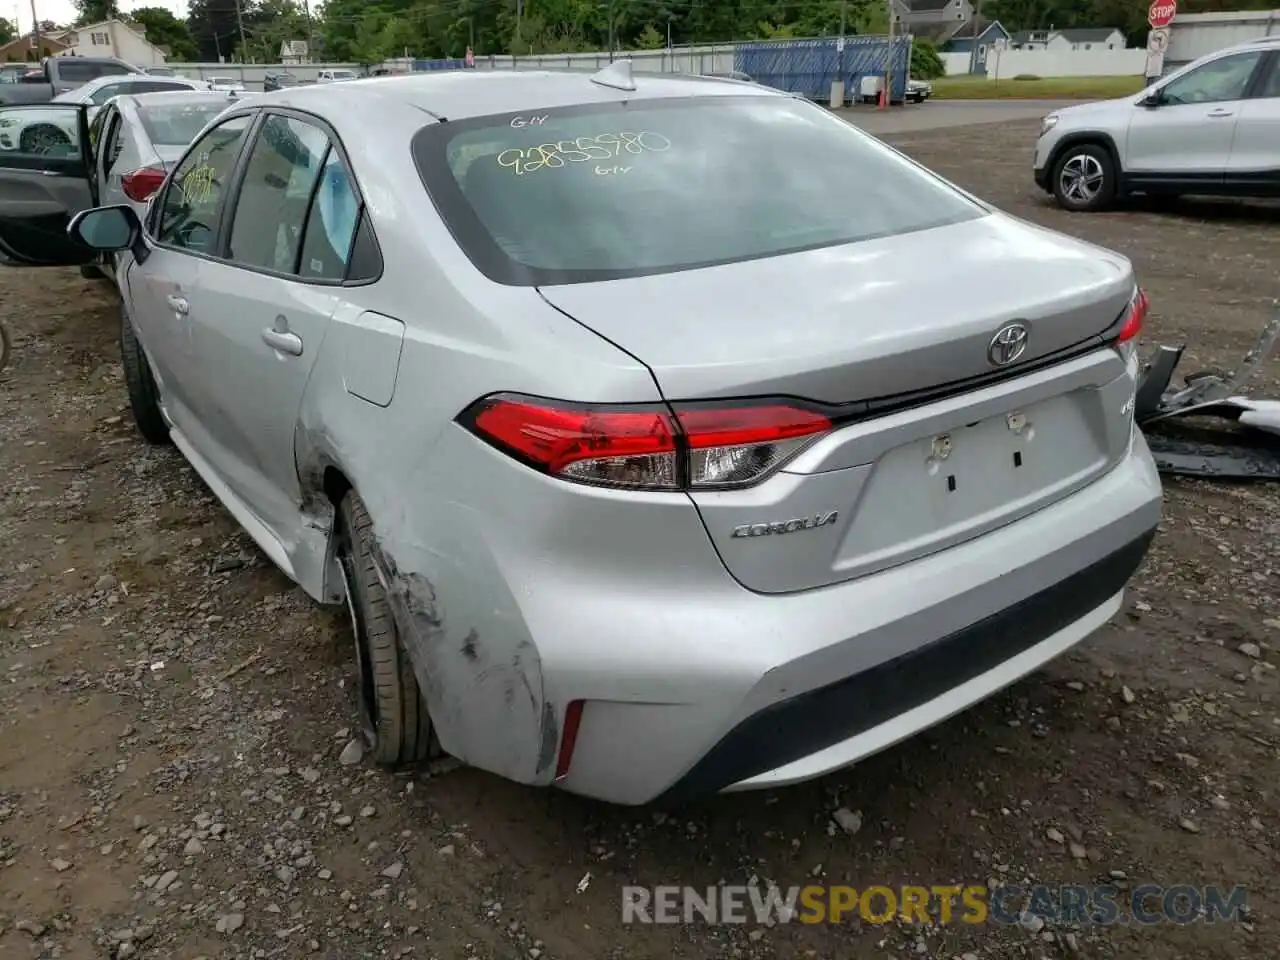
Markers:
(1210, 128)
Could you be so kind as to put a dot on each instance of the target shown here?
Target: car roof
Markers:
(459, 94)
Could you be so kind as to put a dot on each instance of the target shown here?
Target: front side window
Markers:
(267, 226)
(189, 209)
(601, 192)
(1226, 78)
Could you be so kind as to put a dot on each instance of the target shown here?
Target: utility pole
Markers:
(35, 29)
(519, 17)
(888, 63)
(611, 8)
(244, 44)
(311, 35)
(973, 44)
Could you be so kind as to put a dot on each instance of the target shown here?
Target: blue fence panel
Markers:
(808, 67)
(455, 63)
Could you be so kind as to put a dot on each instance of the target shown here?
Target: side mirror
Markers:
(1153, 99)
(107, 229)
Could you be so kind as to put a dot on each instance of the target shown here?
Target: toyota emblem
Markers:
(1009, 343)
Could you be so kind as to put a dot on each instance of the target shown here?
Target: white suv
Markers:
(1212, 127)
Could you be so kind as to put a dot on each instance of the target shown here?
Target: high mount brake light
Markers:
(650, 446)
(141, 185)
(1137, 316)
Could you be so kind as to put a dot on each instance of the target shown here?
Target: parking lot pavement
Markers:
(173, 711)
(936, 114)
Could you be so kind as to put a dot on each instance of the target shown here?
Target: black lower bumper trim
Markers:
(803, 725)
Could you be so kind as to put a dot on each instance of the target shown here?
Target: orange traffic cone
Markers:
(884, 99)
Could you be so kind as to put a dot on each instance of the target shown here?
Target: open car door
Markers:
(45, 159)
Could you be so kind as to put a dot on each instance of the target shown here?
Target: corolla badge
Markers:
(1008, 344)
(786, 526)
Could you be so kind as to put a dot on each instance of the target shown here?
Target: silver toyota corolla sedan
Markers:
(663, 436)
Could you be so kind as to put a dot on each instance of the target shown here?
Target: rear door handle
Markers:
(178, 304)
(1222, 113)
(283, 340)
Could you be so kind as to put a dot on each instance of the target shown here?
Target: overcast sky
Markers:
(64, 11)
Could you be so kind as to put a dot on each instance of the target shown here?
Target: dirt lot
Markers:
(172, 711)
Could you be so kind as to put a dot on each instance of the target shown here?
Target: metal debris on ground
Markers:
(1244, 443)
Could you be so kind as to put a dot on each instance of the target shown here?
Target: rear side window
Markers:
(69, 69)
(174, 125)
(331, 225)
(619, 190)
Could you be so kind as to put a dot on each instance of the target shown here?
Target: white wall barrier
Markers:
(1066, 63)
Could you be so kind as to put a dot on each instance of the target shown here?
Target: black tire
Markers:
(91, 271)
(394, 718)
(1088, 161)
(144, 396)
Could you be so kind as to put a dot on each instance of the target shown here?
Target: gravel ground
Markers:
(175, 718)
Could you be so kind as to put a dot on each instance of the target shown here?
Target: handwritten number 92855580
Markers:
(596, 149)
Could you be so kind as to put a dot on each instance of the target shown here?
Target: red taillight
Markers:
(651, 446)
(569, 737)
(141, 185)
(732, 446)
(633, 447)
(1132, 325)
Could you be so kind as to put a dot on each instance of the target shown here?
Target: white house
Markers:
(112, 38)
(1087, 38)
(293, 52)
(1080, 38)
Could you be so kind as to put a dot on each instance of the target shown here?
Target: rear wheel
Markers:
(1084, 178)
(394, 719)
(144, 395)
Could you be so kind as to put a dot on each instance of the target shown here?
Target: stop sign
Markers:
(1161, 13)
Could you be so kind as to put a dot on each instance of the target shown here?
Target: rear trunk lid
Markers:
(876, 328)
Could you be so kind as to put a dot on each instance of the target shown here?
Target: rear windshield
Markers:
(174, 125)
(622, 190)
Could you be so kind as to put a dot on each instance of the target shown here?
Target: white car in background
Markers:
(334, 76)
(225, 84)
(1209, 129)
(50, 130)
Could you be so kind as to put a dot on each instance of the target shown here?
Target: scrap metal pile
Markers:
(1208, 427)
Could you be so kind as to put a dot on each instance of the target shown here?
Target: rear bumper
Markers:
(749, 691)
(831, 727)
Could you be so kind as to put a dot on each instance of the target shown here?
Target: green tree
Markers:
(95, 11)
(165, 30)
(925, 62)
(7, 31)
(214, 28)
(650, 39)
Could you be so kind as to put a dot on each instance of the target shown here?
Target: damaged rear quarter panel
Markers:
(480, 670)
